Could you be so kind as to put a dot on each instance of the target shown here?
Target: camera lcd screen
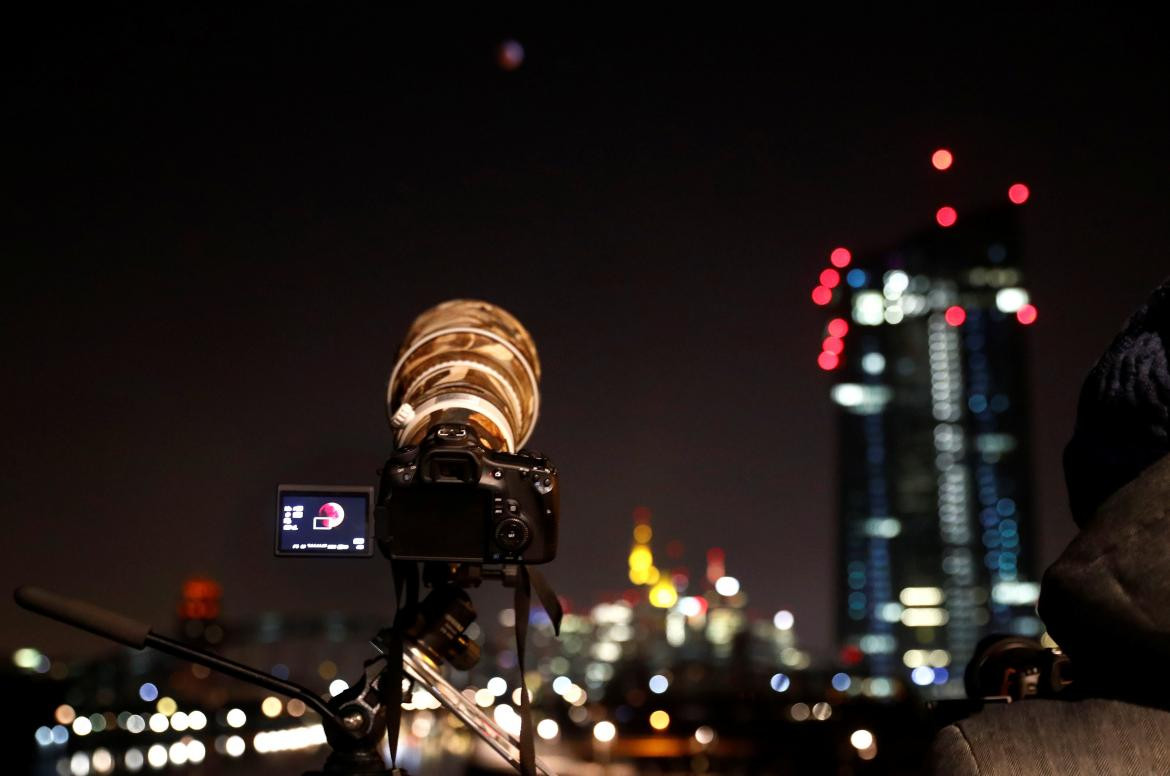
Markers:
(321, 520)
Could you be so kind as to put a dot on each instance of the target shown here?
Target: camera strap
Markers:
(528, 580)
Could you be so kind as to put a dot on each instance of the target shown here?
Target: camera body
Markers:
(450, 499)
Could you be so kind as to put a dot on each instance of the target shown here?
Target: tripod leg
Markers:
(416, 665)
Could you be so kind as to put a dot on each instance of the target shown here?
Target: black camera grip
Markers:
(83, 615)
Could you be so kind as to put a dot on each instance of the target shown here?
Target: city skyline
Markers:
(219, 247)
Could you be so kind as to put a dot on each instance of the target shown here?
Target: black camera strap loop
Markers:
(523, 603)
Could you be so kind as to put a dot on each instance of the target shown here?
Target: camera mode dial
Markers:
(512, 534)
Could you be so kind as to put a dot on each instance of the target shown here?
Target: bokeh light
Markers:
(604, 731)
(955, 315)
(840, 257)
(271, 706)
(510, 55)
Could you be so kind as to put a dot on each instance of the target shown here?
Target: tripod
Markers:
(354, 721)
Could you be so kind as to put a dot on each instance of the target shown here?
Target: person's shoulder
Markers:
(1041, 737)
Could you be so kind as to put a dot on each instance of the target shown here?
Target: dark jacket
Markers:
(1106, 601)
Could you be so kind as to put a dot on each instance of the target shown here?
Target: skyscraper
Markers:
(926, 345)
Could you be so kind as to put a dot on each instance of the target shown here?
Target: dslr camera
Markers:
(459, 487)
(451, 499)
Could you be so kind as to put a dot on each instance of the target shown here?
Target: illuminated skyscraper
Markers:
(926, 347)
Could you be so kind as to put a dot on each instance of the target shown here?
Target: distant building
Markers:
(926, 344)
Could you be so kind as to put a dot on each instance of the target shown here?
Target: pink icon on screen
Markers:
(328, 516)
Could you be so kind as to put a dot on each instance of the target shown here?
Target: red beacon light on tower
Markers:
(946, 216)
(1027, 314)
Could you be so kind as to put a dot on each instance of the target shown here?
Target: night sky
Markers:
(218, 225)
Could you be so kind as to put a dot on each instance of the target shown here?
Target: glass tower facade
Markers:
(926, 346)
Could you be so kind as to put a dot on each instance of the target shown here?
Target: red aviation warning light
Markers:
(942, 159)
(830, 278)
(840, 257)
(946, 216)
(828, 361)
(838, 327)
(955, 315)
(1027, 314)
(822, 296)
(1018, 193)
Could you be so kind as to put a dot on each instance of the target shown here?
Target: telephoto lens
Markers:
(466, 362)
(460, 487)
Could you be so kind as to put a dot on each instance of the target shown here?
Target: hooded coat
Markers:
(1106, 600)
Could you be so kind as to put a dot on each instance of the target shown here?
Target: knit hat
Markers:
(1123, 417)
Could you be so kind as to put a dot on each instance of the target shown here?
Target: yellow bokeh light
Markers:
(327, 669)
(663, 595)
(166, 706)
(641, 557)
(649, 576)
(643, 533)
(271, 707)
(660, 720)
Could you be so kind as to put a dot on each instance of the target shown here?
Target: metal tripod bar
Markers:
(419, 667)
